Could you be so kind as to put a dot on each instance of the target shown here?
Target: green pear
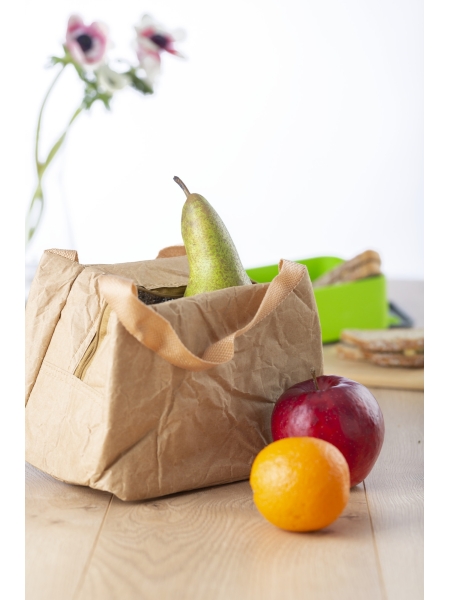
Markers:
(214, 263)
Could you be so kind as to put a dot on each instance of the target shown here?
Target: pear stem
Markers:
(182, 186)
(313, 373)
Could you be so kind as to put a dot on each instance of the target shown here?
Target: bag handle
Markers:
(70, 254)
(156, 333)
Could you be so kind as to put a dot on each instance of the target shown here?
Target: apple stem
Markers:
(182, 186)
(313, 373)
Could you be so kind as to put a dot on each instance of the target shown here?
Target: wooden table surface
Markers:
(213, 543)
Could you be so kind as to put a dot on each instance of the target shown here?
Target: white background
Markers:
(301, 123)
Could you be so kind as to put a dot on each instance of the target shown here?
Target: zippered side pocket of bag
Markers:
(149, 297)
(84, 363)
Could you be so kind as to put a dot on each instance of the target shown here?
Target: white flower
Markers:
(111, 81)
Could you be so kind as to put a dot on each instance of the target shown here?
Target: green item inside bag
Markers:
(360, 304)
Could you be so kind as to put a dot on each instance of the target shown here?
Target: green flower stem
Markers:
(41, 167)
(59, 143)
(38, 129)
(31, 228)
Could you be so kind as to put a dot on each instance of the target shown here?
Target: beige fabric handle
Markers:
(70, 254)
(157, 334)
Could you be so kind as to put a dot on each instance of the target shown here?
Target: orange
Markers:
(300, 483)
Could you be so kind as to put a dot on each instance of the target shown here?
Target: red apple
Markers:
(337, 410)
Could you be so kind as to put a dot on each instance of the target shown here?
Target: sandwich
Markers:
(397, 347)
(366, 264)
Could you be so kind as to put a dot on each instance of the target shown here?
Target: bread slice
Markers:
(396, 359)
(385, 340)
(384, 347)
(366, 264)
(383, 359)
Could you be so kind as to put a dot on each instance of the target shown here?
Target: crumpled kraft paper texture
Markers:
(134, 424)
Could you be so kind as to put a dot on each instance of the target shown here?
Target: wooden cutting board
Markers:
(371, 375)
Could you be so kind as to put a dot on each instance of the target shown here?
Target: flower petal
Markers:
(152, 68)
(110, 80)
(87, 44)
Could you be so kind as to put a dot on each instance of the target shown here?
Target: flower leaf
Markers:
(105, 98)
(90, 98)
(139, 83)
(62, 60)
(57, 60)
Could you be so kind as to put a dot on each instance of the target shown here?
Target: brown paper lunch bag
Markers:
(147, 400)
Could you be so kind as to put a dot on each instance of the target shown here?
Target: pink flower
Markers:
(152, 40)
(87, 43)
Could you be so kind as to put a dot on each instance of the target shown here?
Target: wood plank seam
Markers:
(377, 557)
(91, 554)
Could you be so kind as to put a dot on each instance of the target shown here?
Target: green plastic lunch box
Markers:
(360, 304)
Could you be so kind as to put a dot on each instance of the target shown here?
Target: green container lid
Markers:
(360, 304)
